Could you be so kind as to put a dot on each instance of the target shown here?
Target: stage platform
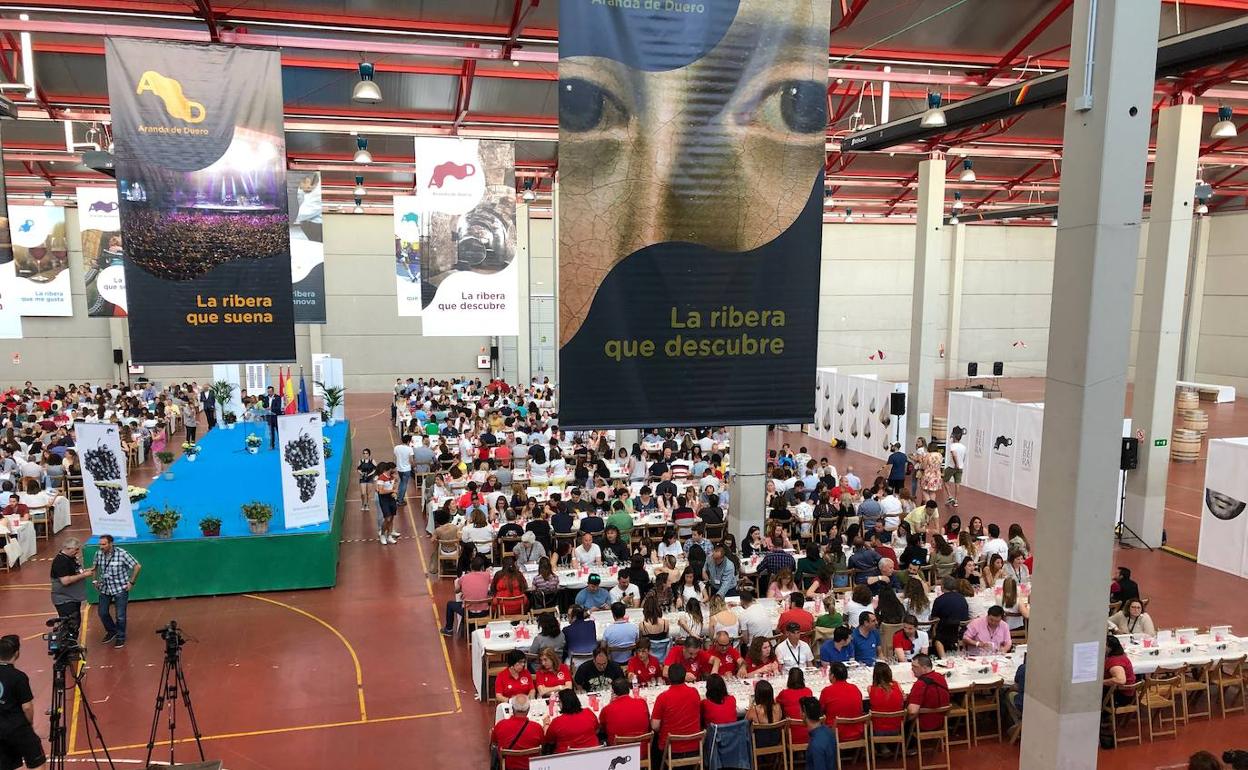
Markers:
(222, 478)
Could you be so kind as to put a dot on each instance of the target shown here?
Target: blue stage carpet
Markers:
(223, 478)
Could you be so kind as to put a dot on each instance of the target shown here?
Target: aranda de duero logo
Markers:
(170, 92)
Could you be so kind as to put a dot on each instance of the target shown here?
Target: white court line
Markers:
(1190, 516)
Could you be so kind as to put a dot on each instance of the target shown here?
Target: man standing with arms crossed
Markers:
(115, 572)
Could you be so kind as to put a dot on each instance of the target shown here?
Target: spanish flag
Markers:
(291, 402)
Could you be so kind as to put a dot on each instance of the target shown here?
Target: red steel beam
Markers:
(204, 10)
(518, 15)
(1030, 37)
(848, 16)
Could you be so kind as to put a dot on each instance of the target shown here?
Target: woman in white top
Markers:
(691, 621)
(859, 602)
(722, 618)
(479, 534)
(688, 588)
(1017, 609)
(1132, 619)
(671, 545)
(558, 468)
(587, 554)
(916, 601)
(1017, 568)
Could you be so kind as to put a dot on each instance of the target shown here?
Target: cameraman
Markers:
(69, 587)
(18, 742)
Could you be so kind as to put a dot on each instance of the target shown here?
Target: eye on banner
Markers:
(201, 178)
(691, 152)
(103, 259)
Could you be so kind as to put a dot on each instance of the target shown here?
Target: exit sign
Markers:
(1160, 442)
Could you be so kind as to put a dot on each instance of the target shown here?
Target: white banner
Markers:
(978, 440)
(1027, 454)
(10, 310)
(1001, 452)
(626, 757)
(103, 261)
(408, 226)
(304, 496)
(104, 479)
(41, 260)
(1223, 539)
(841, 414)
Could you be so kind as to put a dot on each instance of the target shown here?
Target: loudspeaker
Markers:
(1130, 459)
(972, 369)
(998, 368)
(119, 356)
(897, 404)
(493, 352)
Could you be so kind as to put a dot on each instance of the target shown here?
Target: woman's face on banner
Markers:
(723, 152)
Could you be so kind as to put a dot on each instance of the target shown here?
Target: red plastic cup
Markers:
(995, 666)
(487, 632)
(593, 701)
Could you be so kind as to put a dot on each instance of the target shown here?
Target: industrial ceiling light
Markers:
(968, 172)
(528, 196)
(1202, 209)
(360, 192)
(957, 201)
(362, 155)
(935, 116)
(1053, 223)
(359, 206)
(953, 220)
(849, 216)
(366, 91)
(47, 198)
(1225, 127)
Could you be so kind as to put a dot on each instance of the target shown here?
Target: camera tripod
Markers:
(62, 670)
(172, 684)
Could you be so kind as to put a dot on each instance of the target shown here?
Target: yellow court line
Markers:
(359, 674)
(21, 587)
(279, 730)
(73, 725)
(1177, 552)
(26, 615)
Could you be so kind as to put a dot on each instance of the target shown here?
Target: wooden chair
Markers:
(73, 488)
(780, 751)
(887, 630)
(1161, 694)
(644, 740)
(715, 532)
(985, 704)
(1228, 675)
(1120, 713)
(536, 751)
(476, 615)
(691, 761)
(494, 664)
(503, 546)
(1195, 684)
(938, 736)
(879, 740)
(1181, 697)
(959, 708)
(41, 518)
(447, 554)
(863, 743)
(794, 748)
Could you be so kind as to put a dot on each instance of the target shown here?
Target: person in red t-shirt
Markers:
(885, 695)
(576, 727)
(552, 674)
(842, 699)
(719, 708)
(930, 691)
(722, 658)
(677, 711)
(790, 702)
(804, 620)
(687, 655)
(515, 679)
(625, 716)
(761, 660)
(643, 667)
(517, 732)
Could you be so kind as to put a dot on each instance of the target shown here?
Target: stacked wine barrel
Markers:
(1187, 438)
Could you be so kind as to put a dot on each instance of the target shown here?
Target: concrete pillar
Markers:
(1105, 144)
(749, 479)
(1195, 300)
(929, 246)
(524, 348)
(957, 258)
(554, 209)
(1161, 316)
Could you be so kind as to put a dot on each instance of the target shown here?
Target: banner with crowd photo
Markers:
(689, 253)
(10, 314)
(104, 482)
(201, 176)
(304, 497)
(103, 261)
(41, 260)
(455, 239)
(1223, 541)
(307, 245)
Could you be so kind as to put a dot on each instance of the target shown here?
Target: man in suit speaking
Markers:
(209, 405)
(273, 403)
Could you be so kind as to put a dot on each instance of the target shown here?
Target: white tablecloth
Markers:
(25, 537)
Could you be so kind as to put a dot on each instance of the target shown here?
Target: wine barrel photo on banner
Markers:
(201, 184)
(691, 152)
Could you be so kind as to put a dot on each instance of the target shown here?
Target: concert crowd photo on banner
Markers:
(307, 245)
(689, 249)
(103, 260)
(200, 158)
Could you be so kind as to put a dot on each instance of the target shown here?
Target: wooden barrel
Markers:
(1209, 394)
(1197, 420)
(940, 428)
(1186, 400)
(1185, 446)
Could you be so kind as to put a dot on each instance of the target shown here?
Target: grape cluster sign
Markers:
(104, 480)
(304, 497)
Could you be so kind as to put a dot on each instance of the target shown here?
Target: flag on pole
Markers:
(303, 392)
(281, 383)
(291, 403)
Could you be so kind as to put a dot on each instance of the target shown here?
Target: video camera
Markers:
(61, 639)
(173, 637)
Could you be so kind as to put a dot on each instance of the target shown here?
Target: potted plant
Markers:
(253, 443)
(329, 450)
(163, 461)
(331, 399)
(258, 515)
(229, 418)
(210, 526)
(162, 521)
(222, 391)
(190, 451)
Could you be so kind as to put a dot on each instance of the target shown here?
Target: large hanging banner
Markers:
(455, 240)
(307, 245)
(304, 498)
(103, 261)
(1001, 453)
(104, 479)
(201, 176)
(1027, 455)
(691, 151)
(10, 314)
(41, 260)
(1223, 525)
(978, 443)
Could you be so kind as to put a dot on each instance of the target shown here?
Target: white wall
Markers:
(1222, 352)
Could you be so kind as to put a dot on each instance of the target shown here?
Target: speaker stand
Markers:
(1123, 532)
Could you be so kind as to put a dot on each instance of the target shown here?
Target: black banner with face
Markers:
(691, 151)
(201, 177)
